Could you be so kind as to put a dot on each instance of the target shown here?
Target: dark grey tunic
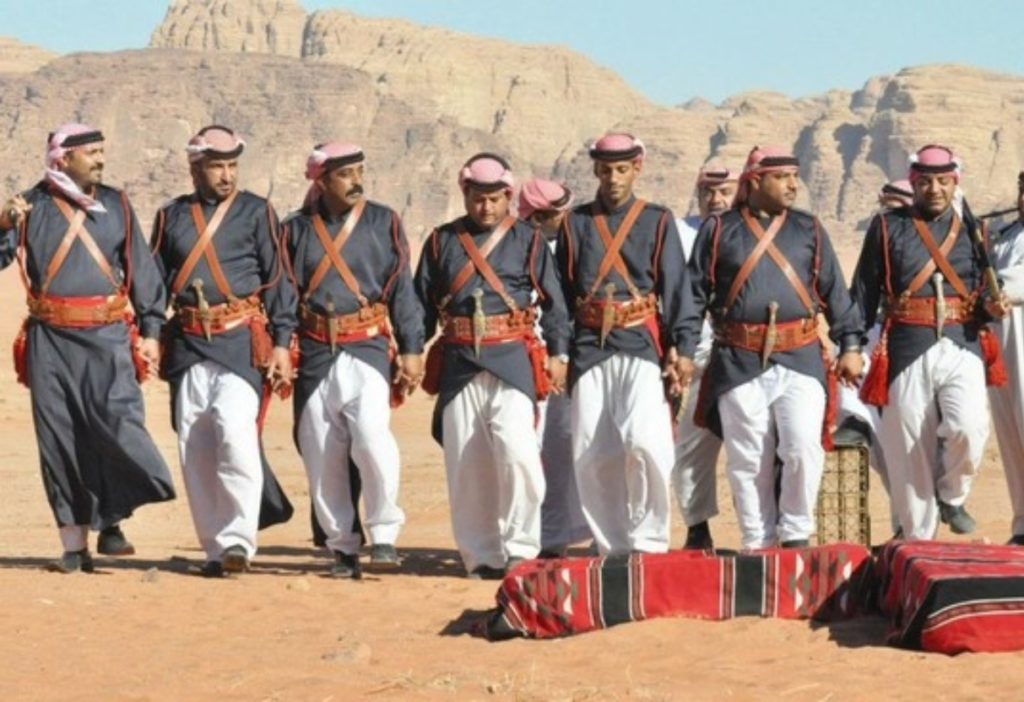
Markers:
(377, 253)
(808, 253)
(653, 255)
(907, 255)
(524, 264)
(247, 246)
(98, 461)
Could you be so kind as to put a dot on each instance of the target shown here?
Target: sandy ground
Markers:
(144, 628)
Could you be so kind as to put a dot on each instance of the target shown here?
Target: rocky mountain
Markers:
(420, 100)
(16, 57)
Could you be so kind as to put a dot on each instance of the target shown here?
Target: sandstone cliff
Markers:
(420, 100)
(16, 57)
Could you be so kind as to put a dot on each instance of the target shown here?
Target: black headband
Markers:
(79, 139)
(778, 162)
(619, 155)
(341, 161)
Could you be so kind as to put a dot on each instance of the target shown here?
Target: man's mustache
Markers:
(354, 190)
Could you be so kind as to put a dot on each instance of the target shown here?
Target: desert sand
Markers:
(147, 628)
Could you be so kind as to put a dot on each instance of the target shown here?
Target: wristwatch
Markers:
(563, 357)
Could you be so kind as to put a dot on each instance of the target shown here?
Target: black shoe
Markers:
(111, 542)
(959, 521)
(554, 553)
(234, 559)
(1016, 540)
(72, 562)
(486, 572)
(212, 569)
(346, 566)
(384, 556)
(796, 543)
(698, 538)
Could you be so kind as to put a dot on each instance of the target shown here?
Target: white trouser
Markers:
(622, 450)
(937, 399)
(495, 478)
(349, 413)
(562, 520)
(779, 413)
(218, 445)
(693, 476)
(1008, 412)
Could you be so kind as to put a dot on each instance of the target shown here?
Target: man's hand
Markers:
(149, 349)
(557, 369)
(999, 307)
(679, 371)
(280, 372)
(849, 367)
(410, 372)
(13, 212)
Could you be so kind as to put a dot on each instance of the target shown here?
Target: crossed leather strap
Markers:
(613, 247)
(205, 231)
(76, 231)
(478, 263)
(765, 244)
(332, 253)
(938, 258)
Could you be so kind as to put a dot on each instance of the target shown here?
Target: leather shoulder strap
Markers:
(479, 261)
(613, 247)
(76, 230)
(764, 240)
(466, 272)
(204, 235)
(939, 258)
(332, 253)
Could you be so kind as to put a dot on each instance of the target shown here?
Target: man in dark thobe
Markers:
(765, 270)
(350, 262)
(477, 279)
(623, 272)
(218, 248)
(84, 258)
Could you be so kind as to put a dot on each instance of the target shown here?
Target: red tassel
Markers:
(875, 388)
(995, 369)
(140, 362)
(20, 354)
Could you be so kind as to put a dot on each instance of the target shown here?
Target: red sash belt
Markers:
(220, 318)
(788, 335)
(922, 310)
(498, 328)
(631, 313)
(365, 323)
(78, 312)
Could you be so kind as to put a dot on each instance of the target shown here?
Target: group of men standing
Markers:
(603, 319)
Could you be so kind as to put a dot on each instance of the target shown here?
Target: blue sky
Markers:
(671, 50)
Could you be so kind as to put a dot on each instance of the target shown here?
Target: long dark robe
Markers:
(98, 461)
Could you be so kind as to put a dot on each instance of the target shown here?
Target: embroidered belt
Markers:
(367, 322)
(217, 319)
(925, 311)
(787, 335)
(495, 328)
(598, 314)
(78, 312)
